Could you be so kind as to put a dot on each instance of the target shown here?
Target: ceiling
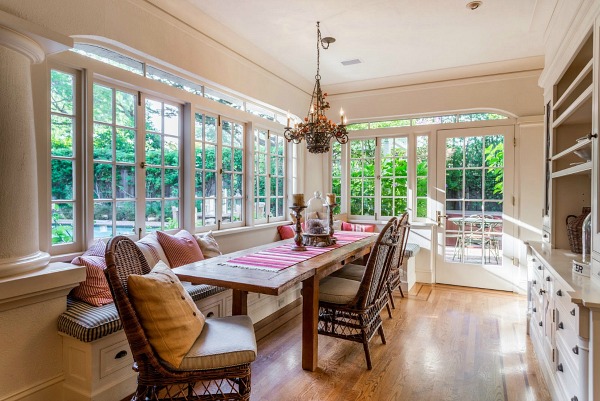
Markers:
(393, 39)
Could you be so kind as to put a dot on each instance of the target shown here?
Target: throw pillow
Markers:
(286, 232)
(181, 248)
(152, 250)
(367, 228)
(94, 290)
(208, 245)
(169, 316)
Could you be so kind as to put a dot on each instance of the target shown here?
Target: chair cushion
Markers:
(337, 290)
(367, 228)
(351, 272)
(152, 250)
(181, 248)
(224, 341)
(94, 289)
(169, 316)
(208, 245)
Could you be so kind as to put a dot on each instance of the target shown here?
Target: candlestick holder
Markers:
(299, 246)
(330, 230)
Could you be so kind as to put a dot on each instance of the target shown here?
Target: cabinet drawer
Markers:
(115, 357)
(567, 314)
(566, 344)
(213, 310)
(567, 379)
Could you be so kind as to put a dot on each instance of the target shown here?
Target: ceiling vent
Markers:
(351, 62)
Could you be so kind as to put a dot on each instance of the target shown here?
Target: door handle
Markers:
(438, 217)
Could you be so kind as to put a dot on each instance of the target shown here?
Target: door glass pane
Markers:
(474, 193)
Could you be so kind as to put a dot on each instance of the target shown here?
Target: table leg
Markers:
(310, 310)
(239, 302)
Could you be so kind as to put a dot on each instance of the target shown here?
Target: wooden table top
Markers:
(213, 271)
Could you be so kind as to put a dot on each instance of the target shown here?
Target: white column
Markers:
(19, 237)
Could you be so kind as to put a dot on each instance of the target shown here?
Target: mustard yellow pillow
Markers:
(167, 313)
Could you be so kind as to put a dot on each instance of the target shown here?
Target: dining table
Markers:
(273, 269)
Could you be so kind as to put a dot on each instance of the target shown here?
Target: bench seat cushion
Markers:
(411, 250)
(88, 323)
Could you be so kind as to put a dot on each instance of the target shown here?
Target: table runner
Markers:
(282, 256)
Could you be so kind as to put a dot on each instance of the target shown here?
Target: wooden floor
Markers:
(444, 343)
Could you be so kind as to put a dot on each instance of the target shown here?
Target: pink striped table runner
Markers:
(282, 257)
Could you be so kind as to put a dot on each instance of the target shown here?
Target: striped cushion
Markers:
(181, 248)
(411, 250)
(367, 228)
(94, 290)
(88, 323)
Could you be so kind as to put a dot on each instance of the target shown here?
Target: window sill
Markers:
(245, 229)
(52, 281)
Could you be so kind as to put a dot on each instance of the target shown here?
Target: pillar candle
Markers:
(298, 199)
(331, 199)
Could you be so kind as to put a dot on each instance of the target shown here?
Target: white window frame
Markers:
(268, 196)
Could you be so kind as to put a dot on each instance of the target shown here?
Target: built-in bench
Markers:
(407, 275)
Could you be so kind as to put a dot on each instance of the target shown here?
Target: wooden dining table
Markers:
(216, 271)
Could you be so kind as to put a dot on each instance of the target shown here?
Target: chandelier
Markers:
(316, 129)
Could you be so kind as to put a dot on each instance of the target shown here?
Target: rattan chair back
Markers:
(378, 264)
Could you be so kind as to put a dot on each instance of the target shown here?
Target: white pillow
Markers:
(208, 245)
(152, 250)
(337, 225)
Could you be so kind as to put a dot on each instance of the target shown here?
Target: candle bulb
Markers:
(288, 119)
(342, 115)
(298, 199)
(330, 199)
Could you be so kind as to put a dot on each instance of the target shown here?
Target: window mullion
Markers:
(140, 159)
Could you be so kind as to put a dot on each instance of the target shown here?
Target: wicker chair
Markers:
(158, 381)
(356, 272)
(350, 309)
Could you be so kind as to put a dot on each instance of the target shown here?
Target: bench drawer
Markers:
(115, 357)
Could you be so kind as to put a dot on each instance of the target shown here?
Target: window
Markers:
(428, 120)
(422, 176)
(336, 174)
(269, 176)
(163, 168)
(63, 157)
(394, 176)
(382, 173)
(206, 170)
(114, 155)
(362, 177)
(232, 173)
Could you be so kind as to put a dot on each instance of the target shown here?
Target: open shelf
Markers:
(582, 168)
(586, 70)
(578, 112)
(568, 151)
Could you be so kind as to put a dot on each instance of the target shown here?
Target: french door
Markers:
(475, 202)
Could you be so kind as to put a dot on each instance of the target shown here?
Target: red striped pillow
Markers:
(94, 290)
(181, 248)
(367, 228)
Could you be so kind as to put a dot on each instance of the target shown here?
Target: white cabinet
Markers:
(559, 322)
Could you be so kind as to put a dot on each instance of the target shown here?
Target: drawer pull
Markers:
(121, 354)
(534, 309)
(541, 323)
(210, 314)
(560, 367)
(561, 325)
(548, 278)
(572, 312)
(576, 350)
(542, 292)
(574, 398)
(539, 267)
(534, 282)
(559, 293)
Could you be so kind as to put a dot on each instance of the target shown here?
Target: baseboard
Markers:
(43, 391)
(277, 319)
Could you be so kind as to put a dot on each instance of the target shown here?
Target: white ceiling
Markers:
(394, 39)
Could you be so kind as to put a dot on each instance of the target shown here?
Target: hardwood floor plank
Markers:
(444, 343)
